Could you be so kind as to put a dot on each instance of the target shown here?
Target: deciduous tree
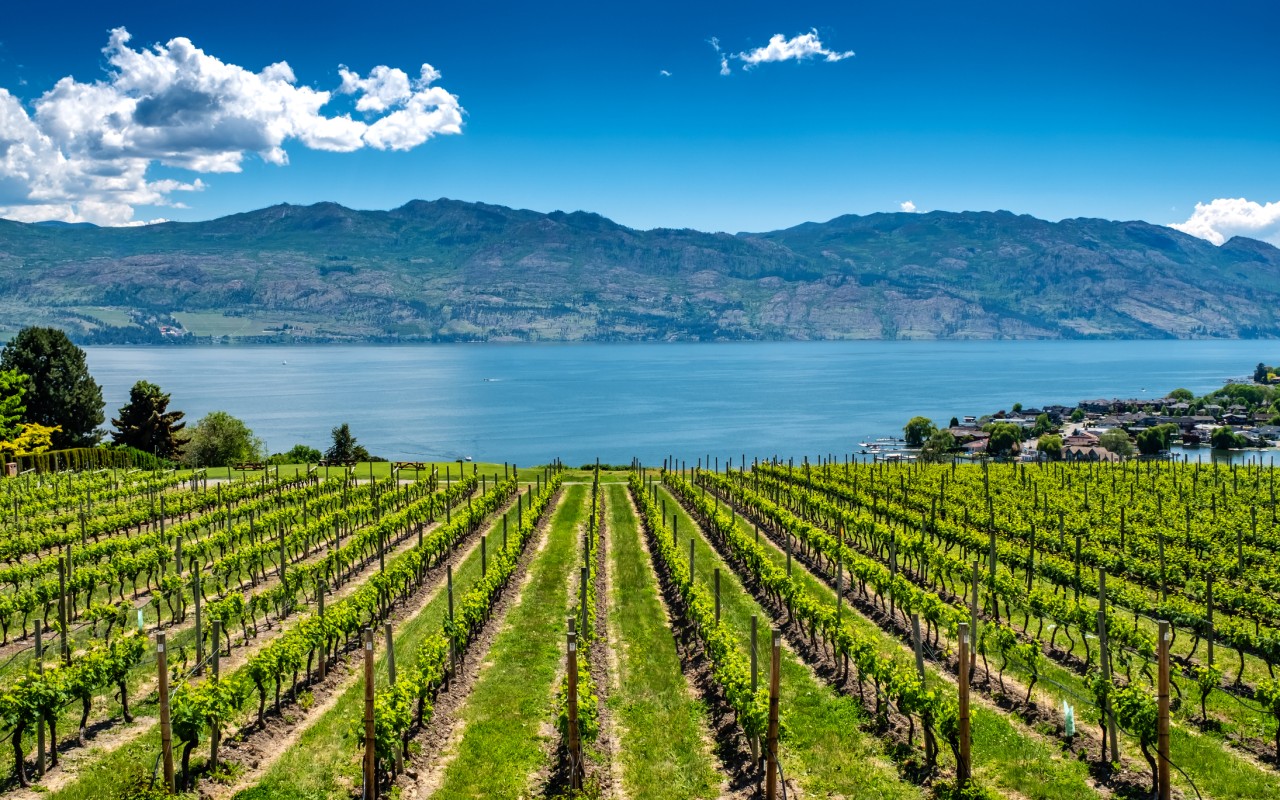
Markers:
(917, 430)
(1051, 445)
(220, 439)
(62, 394)
(1117, 441)
(938, 448)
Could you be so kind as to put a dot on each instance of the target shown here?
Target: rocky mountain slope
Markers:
(447, 270)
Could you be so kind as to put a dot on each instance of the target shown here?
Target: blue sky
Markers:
(1121, 110)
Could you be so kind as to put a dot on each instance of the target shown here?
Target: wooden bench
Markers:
(324, 462)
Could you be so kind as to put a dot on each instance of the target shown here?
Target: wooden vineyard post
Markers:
(195, 597)
(973, 618)
(391, 653)
(1162, 724)
(1164, 592)
(215, 733)
(582, 584)
(166, 730)
(453, 649)
(755, 669)
(839, 576)
(717, 582)
(675, 530)
(788, 554)
(504, 531)
(930, 746)
(995, 603)
(1078, 567)
(484, 557)
(918, 646)
(391, 678)
(771, 740)
(964, 766)
(323, 667)
(691, 559)
(39, 633)
(1031, 558)
(575, 746)
(1208, 614)
(1106, 675)
(62, 609)
(370, 764)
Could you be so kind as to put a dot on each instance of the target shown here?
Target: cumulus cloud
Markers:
(724, 59)
(83, 151)
(798, 48)
(1220, 219)
(907, 206)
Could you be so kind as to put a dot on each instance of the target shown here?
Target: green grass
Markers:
(325, 760)
(106, 315)
(661, 729)
(378, 469)
(1006, 756)
(208, 323)
(505, 718)
(825, 751)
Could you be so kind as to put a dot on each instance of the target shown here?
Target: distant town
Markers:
(1242, 414)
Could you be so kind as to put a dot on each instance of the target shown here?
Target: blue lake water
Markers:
(530, 403)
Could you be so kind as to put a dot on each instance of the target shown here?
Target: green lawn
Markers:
(505, 734)
(209, 323)
(661, 730)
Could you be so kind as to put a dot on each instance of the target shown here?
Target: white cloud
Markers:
(1220, 219)
(907, 206)
(798, 48)
(724, 60)
(84, 154)
(664, 73)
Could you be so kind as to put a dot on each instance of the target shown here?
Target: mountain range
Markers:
(450, 270)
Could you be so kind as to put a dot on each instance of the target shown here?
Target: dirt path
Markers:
(610, 639)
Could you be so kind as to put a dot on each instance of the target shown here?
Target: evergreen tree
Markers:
(61, 392)
(146, 423)
(344, 446)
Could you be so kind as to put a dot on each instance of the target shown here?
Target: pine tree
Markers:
(344, 445)
(146, 423)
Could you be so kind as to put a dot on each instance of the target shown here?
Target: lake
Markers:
(528, 403)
